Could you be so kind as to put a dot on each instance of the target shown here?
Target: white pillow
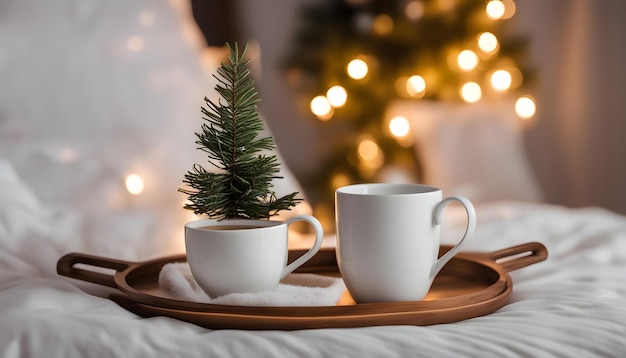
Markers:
(95, 90)
(475, 150)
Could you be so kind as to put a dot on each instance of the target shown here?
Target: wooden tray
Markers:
(469, 285)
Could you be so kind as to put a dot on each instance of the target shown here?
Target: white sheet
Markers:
(573, 304)
(80, 108)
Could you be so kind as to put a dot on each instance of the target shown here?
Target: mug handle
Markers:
(438, 219)
(319, 238)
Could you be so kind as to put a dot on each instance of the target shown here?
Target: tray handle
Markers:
(516, 257)
(66, 266)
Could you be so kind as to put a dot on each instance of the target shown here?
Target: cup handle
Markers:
(438, 219)
(319, 237)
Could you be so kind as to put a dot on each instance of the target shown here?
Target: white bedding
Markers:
(86, 109)
(573, 304)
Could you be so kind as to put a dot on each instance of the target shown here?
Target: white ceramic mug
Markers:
(243, 259)
(388, 239)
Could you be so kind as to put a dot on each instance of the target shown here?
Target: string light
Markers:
(337, 96)
(399, 126)
(501, 80)
(466, 64)
(134, 184)
(467, 60)
(357, 69)
(488, 42)
(320, 106)
(471, 92)
(416, 86)
(525, 107)
(495, 9)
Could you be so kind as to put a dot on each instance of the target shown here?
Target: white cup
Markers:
(243, 259)
(388, 239)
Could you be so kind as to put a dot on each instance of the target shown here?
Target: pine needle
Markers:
(241, 186)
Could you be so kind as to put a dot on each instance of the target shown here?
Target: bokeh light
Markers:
(134, 184)
(525, 107)
(320, 106)
(501, 80)
(338, 180)
(337, 96)
(467, 60)
(369, 153)
(416, 86)
(357, 69)
(471, 92)
(488, 42)
(383, 24)
(414, 10)
(495, 9)
(509, 9)
(399, 126)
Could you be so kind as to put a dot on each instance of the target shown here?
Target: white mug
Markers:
(243, 256)
(388, 239)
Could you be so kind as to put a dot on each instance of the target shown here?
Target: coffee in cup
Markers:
(243, 256)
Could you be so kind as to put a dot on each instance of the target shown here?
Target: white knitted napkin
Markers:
(297, 289)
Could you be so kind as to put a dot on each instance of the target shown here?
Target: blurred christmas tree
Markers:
(350, 59)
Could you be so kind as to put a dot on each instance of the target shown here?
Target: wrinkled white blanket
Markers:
(573, 304)
(296, 289)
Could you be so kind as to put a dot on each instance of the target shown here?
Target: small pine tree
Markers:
(242, 186)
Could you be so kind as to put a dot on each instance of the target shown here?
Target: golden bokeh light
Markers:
(467, 60)
(488, 42)
(414, 10)
(495, 9)
(383, 24)
(399, 126)
(369, 153)
(471, 92)
(367, 149)
(320, 106)
(337, 96)
(525, 107)
(416, 86)
(400, 85)
(501, 80)
(445, 5)
(509, 9)
(357, 69)
(134, 184)
(338, 180)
